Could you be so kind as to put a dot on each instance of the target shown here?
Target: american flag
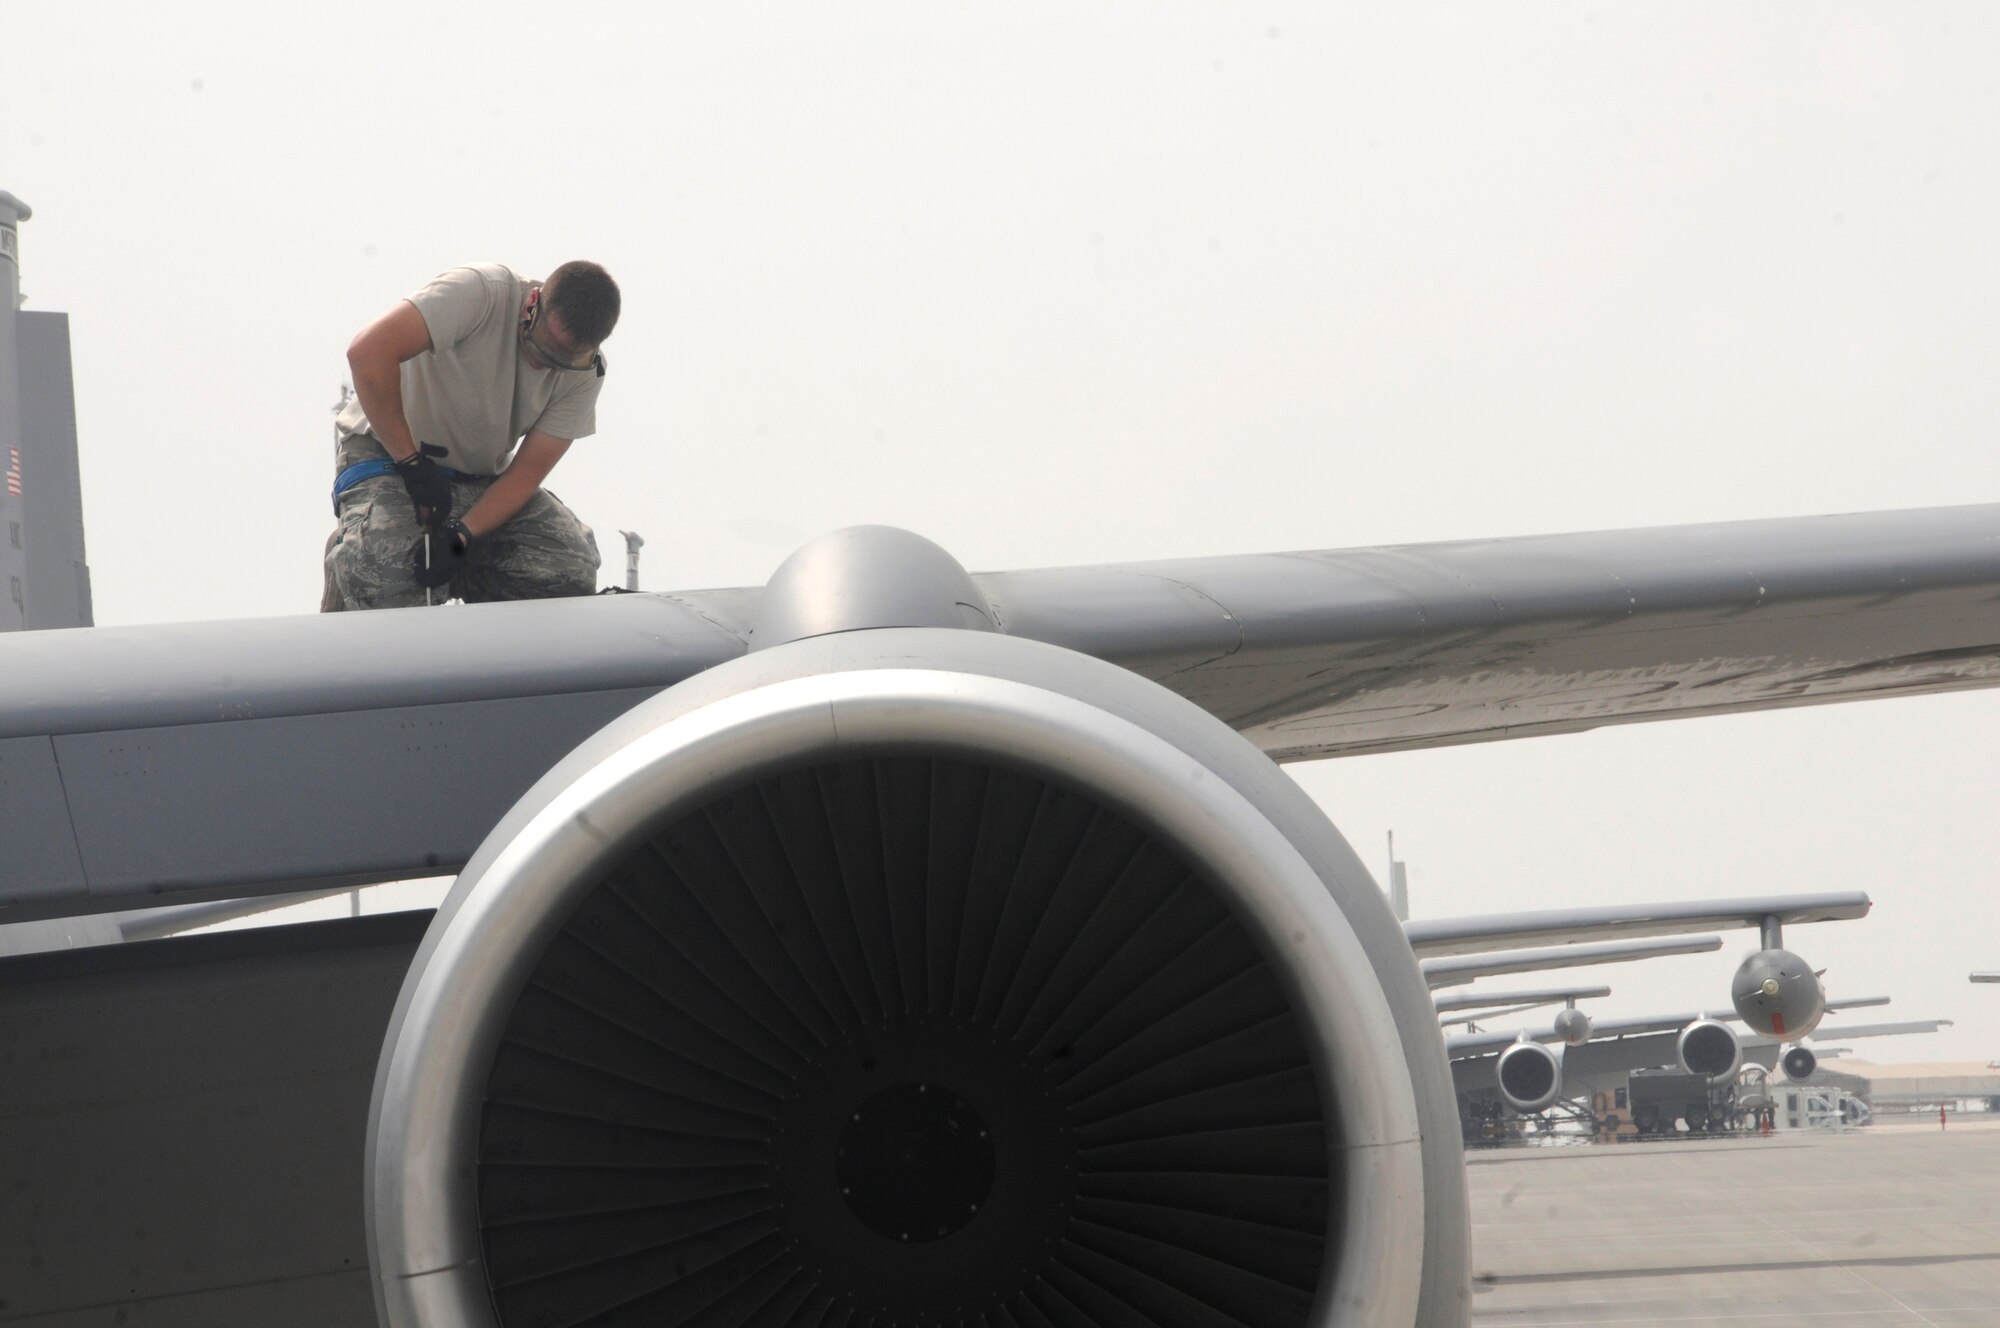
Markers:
(14, 471)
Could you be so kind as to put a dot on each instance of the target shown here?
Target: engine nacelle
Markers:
(1778, 995)
(1573, 1026)
(1530, 1076)
(917, 975)
(1799, 1063)
(1709, 1048)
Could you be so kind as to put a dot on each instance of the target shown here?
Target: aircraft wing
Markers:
(1475, 1016)
(1502, 931)
(1824, 1034)
(1610, 1030)
(1461, 1046)
(154, 765)
(1331, 653)
(1456, 969)
(1485, 1000)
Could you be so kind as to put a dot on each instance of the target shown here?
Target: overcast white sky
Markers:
(1070, 283)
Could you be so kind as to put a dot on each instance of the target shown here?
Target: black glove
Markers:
(448, 546)
(429, 488)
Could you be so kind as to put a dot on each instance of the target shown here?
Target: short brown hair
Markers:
(586, 297)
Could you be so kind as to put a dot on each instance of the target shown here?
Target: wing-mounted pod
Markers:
(915, 974)
(1776, 992)
(1530, 1076)
(1573, 1026)
(1708, 1047)
(1799, 1062)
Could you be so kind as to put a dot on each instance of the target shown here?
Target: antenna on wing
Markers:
(1399, 883)
(633, 543)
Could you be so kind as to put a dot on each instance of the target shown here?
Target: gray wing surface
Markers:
(1488, 1000)
(1502, 931)
(1825, 1034)
(1627, 1026)
(1332, 653)
(1454, 970)
(155, 765)
(1461, 1045)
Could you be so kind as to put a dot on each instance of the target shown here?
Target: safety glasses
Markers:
(543, 350)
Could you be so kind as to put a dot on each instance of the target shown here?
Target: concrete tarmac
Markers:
(1890, 1224)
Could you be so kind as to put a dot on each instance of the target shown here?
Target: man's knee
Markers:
(539, 572)
(543, 553)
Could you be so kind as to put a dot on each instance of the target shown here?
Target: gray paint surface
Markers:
(1343, 651)
(323, 799)
(184, 1125)
(42, 859)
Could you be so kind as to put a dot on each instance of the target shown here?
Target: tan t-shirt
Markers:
(473, 393)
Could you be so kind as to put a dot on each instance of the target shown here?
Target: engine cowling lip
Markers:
(423, 1227)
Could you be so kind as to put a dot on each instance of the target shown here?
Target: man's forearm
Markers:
(380, 391)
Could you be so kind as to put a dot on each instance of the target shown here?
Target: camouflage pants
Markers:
(542, 552)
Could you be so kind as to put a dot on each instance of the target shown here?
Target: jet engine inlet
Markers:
(1530, 1076)
(898, 995)
(1006, 1016)
(1709, 1048)
(1799, 1063)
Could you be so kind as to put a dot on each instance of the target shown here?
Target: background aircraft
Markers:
(1774, 991)
(1527, 1070)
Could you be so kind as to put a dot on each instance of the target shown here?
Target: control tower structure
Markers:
(44, 580)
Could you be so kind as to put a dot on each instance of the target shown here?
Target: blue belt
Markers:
(372, 468)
